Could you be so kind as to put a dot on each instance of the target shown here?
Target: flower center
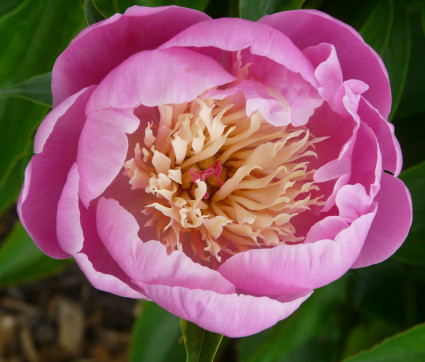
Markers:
(212, 173)
(219, 182)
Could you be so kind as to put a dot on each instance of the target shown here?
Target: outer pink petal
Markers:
(107, 282)
(102, 149)
(101, 47)
(48, 124)
(85, 246)
(157, 77)
(47, 172)
(98, 265)
(230, 34)
(292, 269)
(230, 314)
(358, 60)
(391, 224)
(148, 262)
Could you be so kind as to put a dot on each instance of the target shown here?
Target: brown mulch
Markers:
(63, 318)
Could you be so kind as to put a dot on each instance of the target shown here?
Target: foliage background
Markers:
(351, 315)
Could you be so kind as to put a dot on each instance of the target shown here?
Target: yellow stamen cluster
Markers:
(265, 180)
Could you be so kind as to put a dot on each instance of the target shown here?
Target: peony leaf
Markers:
(31, 39)
(254, 9)
(413, 249)
(318, 317)
(201, 345)
(9, 5)
(36, 89)
(156, 335)
(412, 101)
(405, 346)
(22, 261)
(387, 31)
(193, 4)
(92, 13)
(11, 184)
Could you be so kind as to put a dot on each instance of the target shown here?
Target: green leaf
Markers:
(354, 13)
(31, 38)
(412, 100)
(19, 119)
(413, 249)
(156, 336)
(201, 345)
(193, 4)
(367, 333)
(22, 261)
(405, 346)
(317, 317)
(12, 182)
(8, 6)
(36, 89)
(374, 289)
(110, 7)
(254, 9)
(92, 13)
(387, 31)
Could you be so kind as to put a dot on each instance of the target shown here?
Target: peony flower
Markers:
(223, 169)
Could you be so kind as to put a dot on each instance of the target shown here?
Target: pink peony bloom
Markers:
(222, 168)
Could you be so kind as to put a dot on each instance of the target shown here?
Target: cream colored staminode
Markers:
(219, 182)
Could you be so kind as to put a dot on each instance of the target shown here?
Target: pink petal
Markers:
(328, 70)
(69, 231)
(114, 40)
(347, 97)
(48, 124)
(345, 101)
(234, 315)
(292, 269)
(257, 99)
(353, 202)
(333, 169)
(106, 281)
(300, 97)
(358, 60)
(366, 161)
(85, 245)
(148, 262)
(133, 201)
(158, 77)
(47, 172)
(327, 228)
(96, 262)
(384, 131)
(391, 224)
(338, 132)
(230, 34)
(102, 149)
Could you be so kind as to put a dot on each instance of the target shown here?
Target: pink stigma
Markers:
(214, 170)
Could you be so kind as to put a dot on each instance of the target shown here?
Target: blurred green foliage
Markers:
(340, 320)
